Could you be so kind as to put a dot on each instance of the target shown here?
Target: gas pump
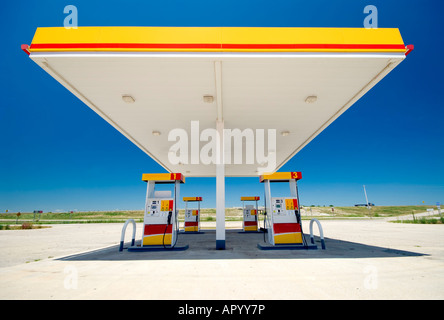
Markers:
(250, 215)
(283, 219)
(192, 216)
(160, 223)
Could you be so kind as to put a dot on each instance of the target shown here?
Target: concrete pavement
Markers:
(364, 259)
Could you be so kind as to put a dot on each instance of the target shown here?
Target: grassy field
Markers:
(374, 212)
(423, 220)
(231, 214)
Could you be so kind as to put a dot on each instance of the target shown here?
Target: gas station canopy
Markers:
(147, 81)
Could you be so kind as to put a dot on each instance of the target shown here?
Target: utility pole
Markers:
(366, 199)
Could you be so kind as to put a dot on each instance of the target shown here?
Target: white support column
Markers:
(243, 215)
(176, 213)
(198, 216)
(293, 190)
(269, 217)
(220, 189)
(150, 185)
(220, 166)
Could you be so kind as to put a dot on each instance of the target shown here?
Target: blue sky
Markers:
(57, 154)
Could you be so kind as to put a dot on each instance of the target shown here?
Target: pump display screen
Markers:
(284, 206)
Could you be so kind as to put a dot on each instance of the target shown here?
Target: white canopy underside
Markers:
(251, 90)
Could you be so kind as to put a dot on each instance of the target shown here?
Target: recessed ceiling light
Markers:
(127, 98)
(311, 99)
(156, 133)
(208, 99)
(285, 133)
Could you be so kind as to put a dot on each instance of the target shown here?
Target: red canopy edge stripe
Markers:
(40, 46)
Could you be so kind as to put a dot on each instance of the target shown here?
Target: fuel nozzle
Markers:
(170, 214)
